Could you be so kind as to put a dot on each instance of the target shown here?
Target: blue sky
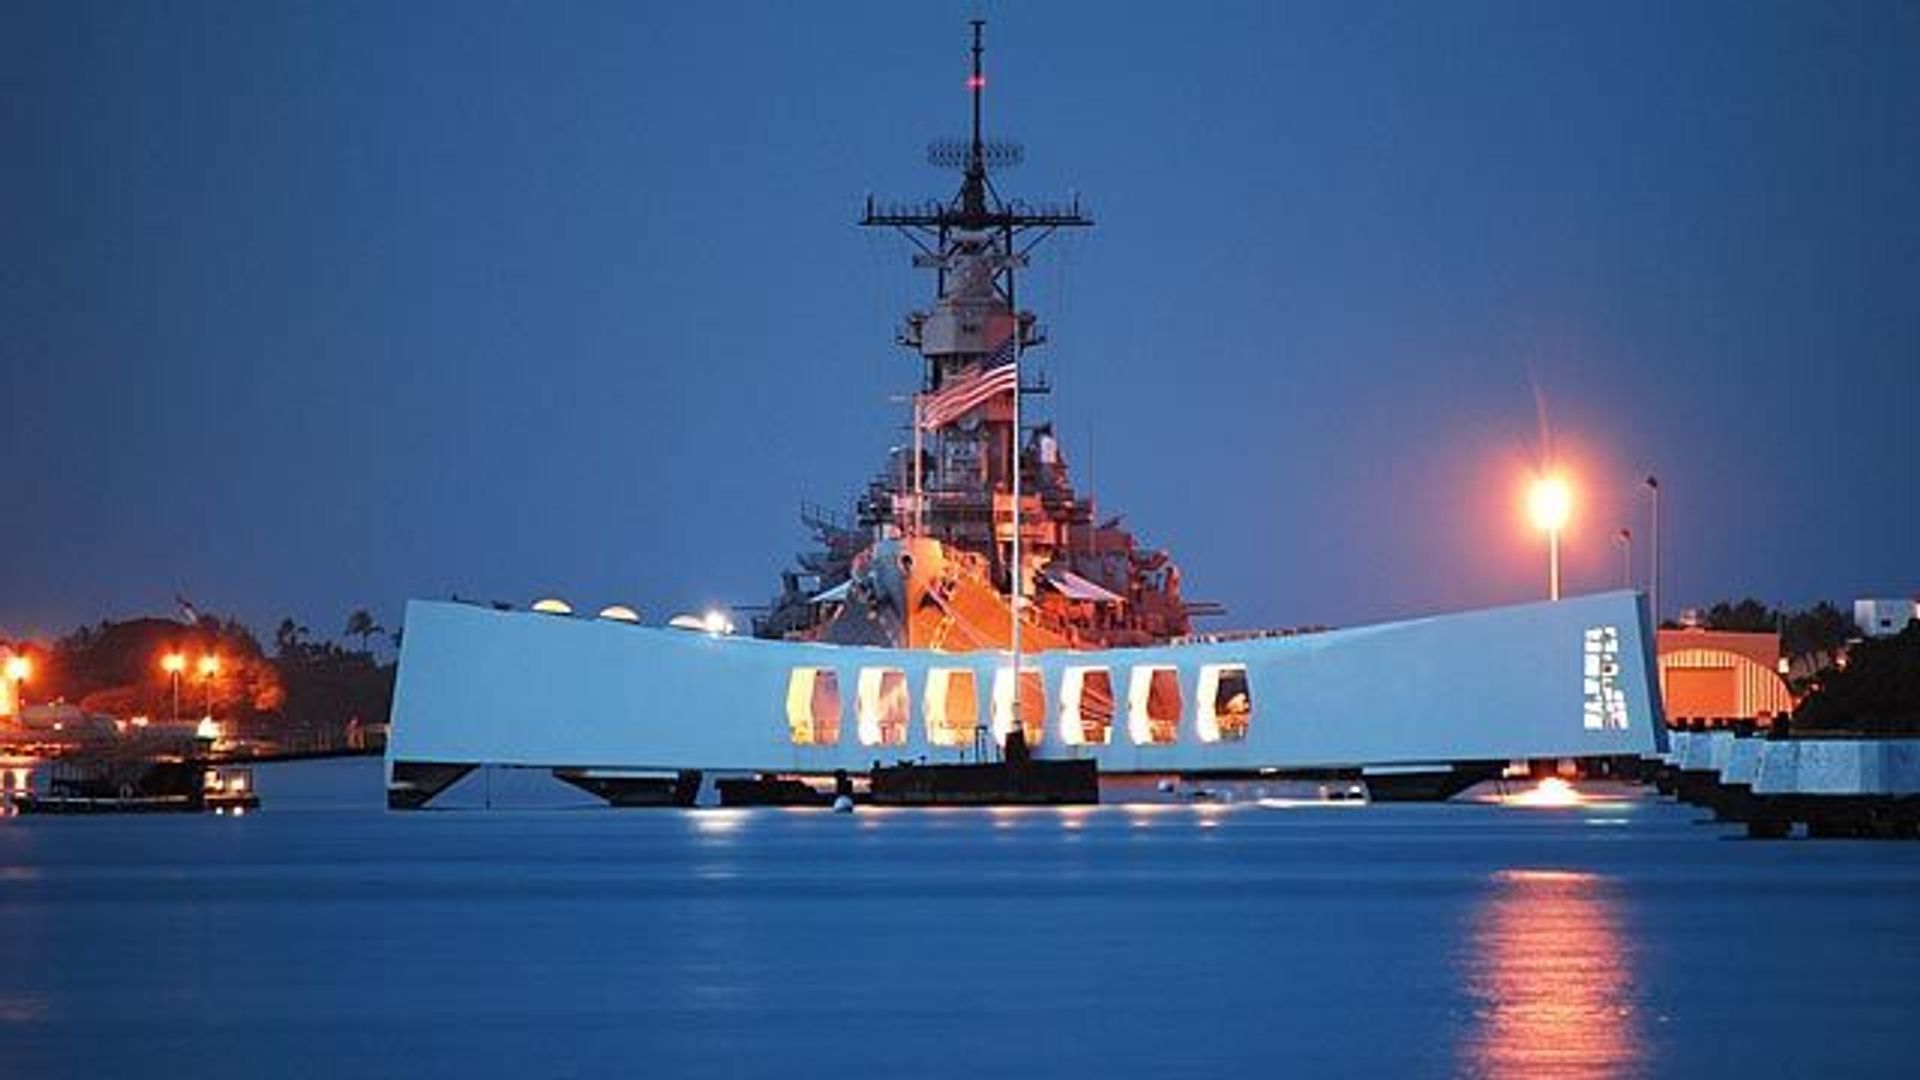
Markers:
(307, 307)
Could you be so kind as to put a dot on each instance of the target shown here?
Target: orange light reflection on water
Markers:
(1551, 791)
(1551, 978)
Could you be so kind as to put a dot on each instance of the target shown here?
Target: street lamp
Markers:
(19, 669)
(1653, 485)
(174, 663)
(1549, 503)
(209, 667)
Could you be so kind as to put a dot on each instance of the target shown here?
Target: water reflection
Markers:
(1550, 974)
(718, 823)
(23, 1009)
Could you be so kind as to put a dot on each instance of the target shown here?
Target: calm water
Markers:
(323, 937)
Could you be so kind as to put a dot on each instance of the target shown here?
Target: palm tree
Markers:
(290, 642)
(360, 624)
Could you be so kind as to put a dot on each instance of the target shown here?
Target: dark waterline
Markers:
(328, 938)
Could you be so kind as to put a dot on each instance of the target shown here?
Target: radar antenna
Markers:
(977, 207)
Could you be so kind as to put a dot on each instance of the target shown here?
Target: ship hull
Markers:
(484, 687)
(920, 594)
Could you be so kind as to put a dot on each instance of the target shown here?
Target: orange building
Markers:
(1721, 677)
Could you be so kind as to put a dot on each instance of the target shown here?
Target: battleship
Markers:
(977, 612)
(975, 534)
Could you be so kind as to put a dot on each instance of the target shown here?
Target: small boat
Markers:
(140, 786)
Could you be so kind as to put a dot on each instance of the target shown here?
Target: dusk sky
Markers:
(309, 307)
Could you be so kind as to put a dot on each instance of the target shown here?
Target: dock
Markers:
(1832, 785)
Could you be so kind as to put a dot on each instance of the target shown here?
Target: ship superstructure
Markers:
(931, 556)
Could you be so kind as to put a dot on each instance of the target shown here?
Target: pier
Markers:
(1832, 786)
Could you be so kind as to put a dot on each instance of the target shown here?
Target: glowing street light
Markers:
(174, 664)
(1550, 503)
(18, 670)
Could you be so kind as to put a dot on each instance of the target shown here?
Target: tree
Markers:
(1819, 635)
(1746, 614)
(1877, 693)
(116, 668)
(290, 640)
(360, 624)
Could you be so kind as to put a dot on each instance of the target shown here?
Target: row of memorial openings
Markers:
(882, 706)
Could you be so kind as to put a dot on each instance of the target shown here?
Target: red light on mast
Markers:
(976, 82)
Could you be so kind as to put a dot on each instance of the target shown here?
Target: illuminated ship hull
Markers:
(920, 593)
(478, 687)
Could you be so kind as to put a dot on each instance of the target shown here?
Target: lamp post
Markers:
(1653, 485)
(1549, 503)
(174, 663)
(19, 669)
(1625, 537)
(209, 667)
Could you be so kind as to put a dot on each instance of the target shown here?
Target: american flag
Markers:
(999, 375)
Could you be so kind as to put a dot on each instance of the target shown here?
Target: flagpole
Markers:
(919, 493)
(1014, 583)
(1653, 484)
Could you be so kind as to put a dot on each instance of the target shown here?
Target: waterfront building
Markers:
(1884, 618)
(1722, 677)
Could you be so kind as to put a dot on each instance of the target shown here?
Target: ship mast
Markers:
(1016, 580)
(976, 243)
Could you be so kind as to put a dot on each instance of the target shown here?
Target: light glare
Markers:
(1549, 503)
(1551, 791)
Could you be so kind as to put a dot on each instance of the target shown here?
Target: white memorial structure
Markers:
(482, 687)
